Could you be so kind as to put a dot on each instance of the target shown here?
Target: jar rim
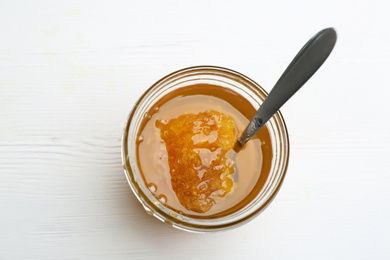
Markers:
(173, 219)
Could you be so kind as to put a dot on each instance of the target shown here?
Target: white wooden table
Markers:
(71, 71)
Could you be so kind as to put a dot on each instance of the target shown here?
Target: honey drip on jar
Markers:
(197, 147)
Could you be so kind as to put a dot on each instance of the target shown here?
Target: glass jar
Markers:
(243, 86)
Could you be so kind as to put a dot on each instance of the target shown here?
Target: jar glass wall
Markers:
(237, 83)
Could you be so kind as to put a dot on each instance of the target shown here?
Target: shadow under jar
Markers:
(257, 170)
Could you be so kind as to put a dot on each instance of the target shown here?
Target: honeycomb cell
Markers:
(197, 147)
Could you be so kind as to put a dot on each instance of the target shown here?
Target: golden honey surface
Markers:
(185, 156)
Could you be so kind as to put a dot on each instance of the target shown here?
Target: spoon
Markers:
(303, 66)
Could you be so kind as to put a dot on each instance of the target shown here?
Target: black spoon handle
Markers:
(304, 65)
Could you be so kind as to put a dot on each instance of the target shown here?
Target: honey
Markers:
(186, 157)
(197, 145)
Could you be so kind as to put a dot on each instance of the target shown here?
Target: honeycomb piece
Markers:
(197, 145)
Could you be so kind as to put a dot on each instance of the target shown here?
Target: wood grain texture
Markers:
(71, 71)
